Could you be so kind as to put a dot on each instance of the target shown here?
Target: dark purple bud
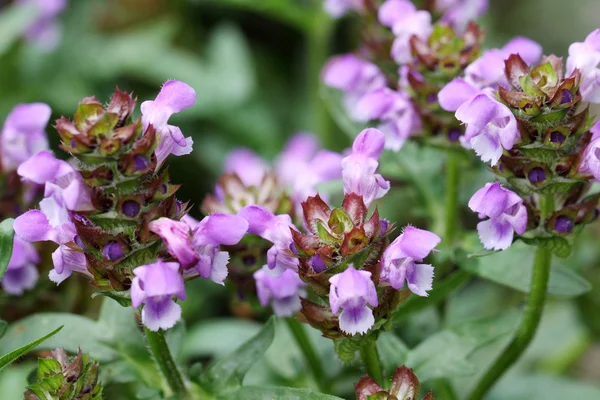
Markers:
(383, 226)
(131, 208)
(294, 249)
(563, 224)
(178, 204)
(454, 134)
(163, 188)
(431, 98)
(527, 106)
(140, 163)
(317, 264)
(112, 251)
(566, 96)
(80, 218)
(536, 175)
(557, 137)
(596, 213)
(249, 260)
(79, 242)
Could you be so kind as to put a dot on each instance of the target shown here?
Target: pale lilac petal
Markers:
(162, 313)
(420, 279)
(417, 243)
(495, 234)
(478, 112)
(220, 229)
(162, 279)
(456, 93)
(327, 165)
(487, 146)
(176, 235)
(529, 50)
(43, 167)
(356, 320)
(393, 11)
(175, 96)
(138, 296)
(33, 226)
(219, 271)
(16, 280)
(57, 277)
(248, 166)
(260, 220)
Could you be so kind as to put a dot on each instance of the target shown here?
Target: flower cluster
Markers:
(404, 386)
(535, 133)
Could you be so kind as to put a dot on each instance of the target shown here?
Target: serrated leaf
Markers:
(229, 372)
(279, 393)
(558, 245)
(10, 357)
(6, 244)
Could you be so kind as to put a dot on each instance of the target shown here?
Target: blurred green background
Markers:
(255, 67)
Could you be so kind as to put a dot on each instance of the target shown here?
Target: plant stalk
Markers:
(166, 364)
(527, 329)
(308, 350)
(370, 358)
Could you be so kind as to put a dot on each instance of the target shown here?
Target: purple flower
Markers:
(405, 20)
(247, 165)
(353, 76)
(399, 260)
(275, 229)
(64, 191)
(491, 126)
(174, 97)
(281, 288)
(21, 273)
(507, 215)
(585, 56)
(66, 261)
(590, 163)
(395, 111)
(44, 31)
(458, 13)
(303, 153)
(337, 8)
(196, 245)
(154, 286)
(23, 134)
(352, 291)
(359, 167)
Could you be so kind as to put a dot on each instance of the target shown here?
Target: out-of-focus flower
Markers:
(337, 8)
(174, 97)
(353, 291)
(590, 163)
(23, 134)
(21, 273)
(507, 215)
(458, 13)
(359, 167)
(154, 285)
(196, 245)
(45, 32)
(400, 260)
(585, 56)
(280, 288)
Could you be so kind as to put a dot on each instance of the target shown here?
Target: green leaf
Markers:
(333, 101)
(229, 372)
(6, 244)
(444, 355)
(123, 298)
(512, 268)
(3, 327)
(392, 350)
(279, 393)
(8, 358)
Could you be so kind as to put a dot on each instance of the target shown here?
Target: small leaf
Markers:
(122, 297)
(3, 327)
(229, 372)
(8, 358)
(279, 393)
(6, 244)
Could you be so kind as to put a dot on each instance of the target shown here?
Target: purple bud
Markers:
(563, 224)
(131, 208)
(431, 98)
(596, 213)
(317, 264)
(294, 249)
(79, 242)
(454, 134)
(112, 251)
(557, 137)
(140, 163)
(383, 226)
(536, 175)
(249, 260)
(566, 96)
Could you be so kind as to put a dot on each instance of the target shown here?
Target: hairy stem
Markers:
(370, 358)
(527, 329)
(309, 352)
(166, 364)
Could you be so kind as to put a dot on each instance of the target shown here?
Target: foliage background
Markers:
(255, 67)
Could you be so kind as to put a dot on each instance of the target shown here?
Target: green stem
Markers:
(527, 329)
(452, 190)
(166, 364)
(310, 354)
(370, 358)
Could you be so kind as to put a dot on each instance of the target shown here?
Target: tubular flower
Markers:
(585, 57)
(21, 273)
(458, 13)
(507, 215)
(154, 286)
(280, 288)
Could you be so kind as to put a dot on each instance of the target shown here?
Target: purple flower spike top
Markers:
(585, 56)
(400, 258)
(279, 288)
(507, 215)
(24, 134)
(275, 229)
(44, 31)
(353, 291)
(21, 273)
(154, 286)
(358, 169)
(174, 97)
(491, 126)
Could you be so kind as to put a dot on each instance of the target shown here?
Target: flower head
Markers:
(358, 169)
(400, 260)
(585, 56)
(22, 273)
(507, 215)
(352, 292)
(281, 288)
(155, 285)
(23, 134)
